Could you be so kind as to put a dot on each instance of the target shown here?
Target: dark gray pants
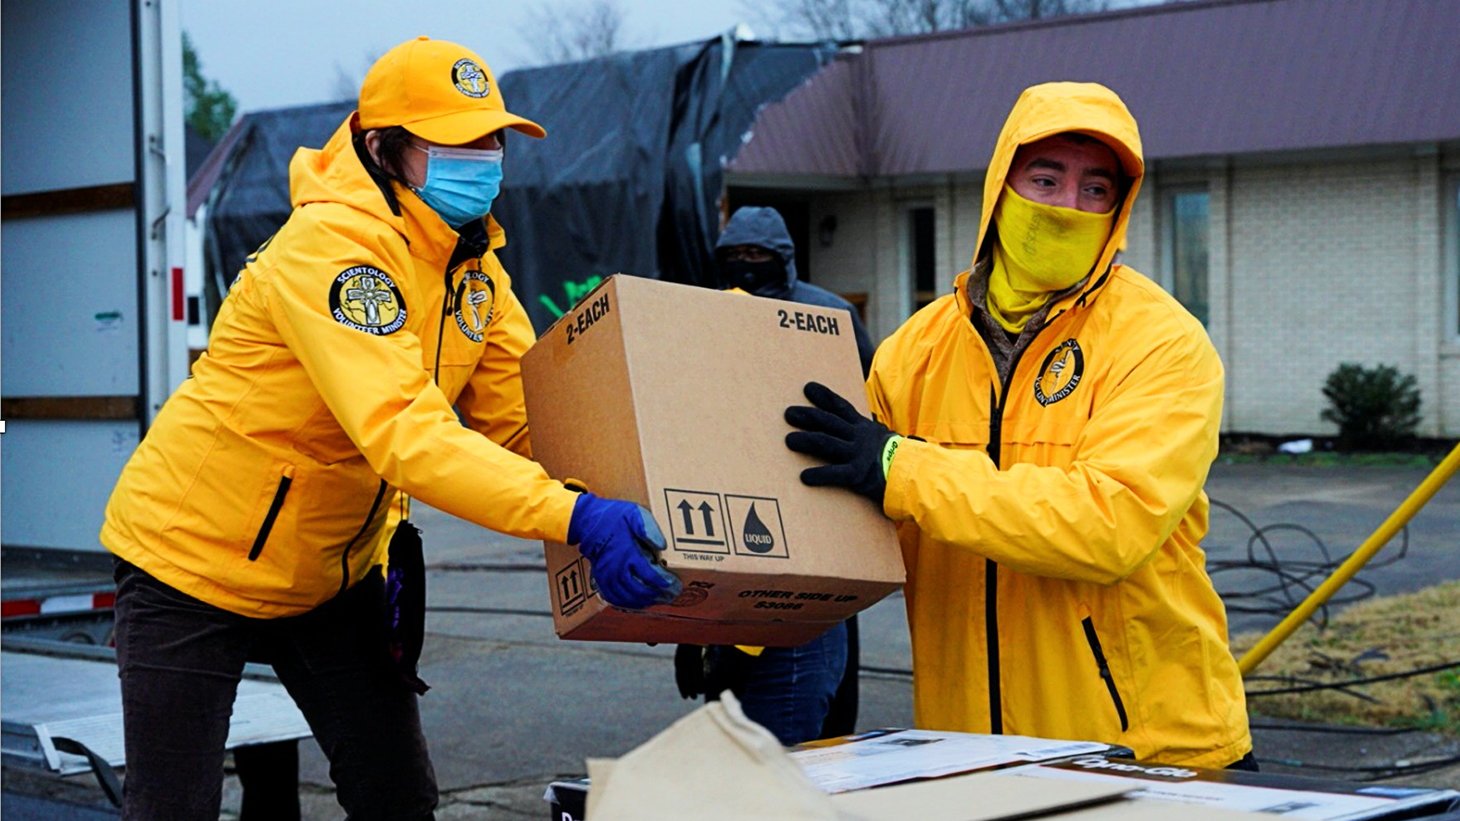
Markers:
(181, 660)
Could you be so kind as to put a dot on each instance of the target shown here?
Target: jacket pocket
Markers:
(271, 516)
(1094, 641)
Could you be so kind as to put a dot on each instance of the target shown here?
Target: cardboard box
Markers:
(673, 397)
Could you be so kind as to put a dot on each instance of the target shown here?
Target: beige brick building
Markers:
(1306, 231)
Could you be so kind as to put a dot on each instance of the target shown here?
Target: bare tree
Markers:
(856, 19)
(887, 18)
(1006, 10)
(805, 19)
(808, 19)
(574, 30)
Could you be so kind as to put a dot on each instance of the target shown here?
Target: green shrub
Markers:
(1375, 409)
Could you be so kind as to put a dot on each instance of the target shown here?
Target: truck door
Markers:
(94, 327)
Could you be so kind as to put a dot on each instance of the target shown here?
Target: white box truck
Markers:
(94, 327)
(93, 339)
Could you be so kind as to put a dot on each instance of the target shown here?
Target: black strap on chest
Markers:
(472, 242)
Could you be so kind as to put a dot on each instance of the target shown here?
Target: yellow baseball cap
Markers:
(439, 91)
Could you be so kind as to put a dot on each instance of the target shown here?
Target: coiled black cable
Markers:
(1293, 580)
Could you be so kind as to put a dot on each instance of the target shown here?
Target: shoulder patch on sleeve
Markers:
(367, 299)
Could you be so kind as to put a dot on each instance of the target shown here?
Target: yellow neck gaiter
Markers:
(1040, 251)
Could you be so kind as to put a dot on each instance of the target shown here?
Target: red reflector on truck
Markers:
(178, 297)
(52, 605)
(20, 607)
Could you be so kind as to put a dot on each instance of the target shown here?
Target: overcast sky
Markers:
(274, 53)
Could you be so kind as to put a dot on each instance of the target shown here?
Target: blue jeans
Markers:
(788, 690)
(180, 661)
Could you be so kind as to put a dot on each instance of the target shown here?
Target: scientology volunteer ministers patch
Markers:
(1060, 374)
(475, 301)
(367, 299)
(469, 78)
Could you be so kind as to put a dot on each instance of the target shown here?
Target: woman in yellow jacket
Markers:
(250, 522)
(1043, 435)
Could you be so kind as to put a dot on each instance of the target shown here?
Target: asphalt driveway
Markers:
(512, 707)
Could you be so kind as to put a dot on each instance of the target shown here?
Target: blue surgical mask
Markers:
(461, 182)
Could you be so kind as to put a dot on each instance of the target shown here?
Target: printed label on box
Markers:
(755, 526)
(782, 599)
(695, 593)
(573, 587)
(696, 521)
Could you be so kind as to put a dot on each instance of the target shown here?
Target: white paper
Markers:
(909, 754)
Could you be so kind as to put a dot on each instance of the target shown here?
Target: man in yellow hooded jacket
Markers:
(1042, 435)
(250, 522)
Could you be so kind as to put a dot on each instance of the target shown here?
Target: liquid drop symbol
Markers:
(755, 535)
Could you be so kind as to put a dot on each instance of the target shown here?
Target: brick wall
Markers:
(1311, 265)
(1332, 263)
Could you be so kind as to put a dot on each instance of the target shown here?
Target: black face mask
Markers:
(752, 276)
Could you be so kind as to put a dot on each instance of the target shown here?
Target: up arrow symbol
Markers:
(685, 510)
(706, 510)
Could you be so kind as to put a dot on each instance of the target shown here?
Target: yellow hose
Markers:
(1380, 537)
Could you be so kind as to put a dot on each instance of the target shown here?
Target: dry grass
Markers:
(1393, 634)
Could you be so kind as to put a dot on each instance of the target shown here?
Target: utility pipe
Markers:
(1353, 564)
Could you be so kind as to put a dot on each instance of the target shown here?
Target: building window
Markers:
(921, 256)
(1186, 215)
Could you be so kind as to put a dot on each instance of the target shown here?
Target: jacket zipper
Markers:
(446, 308)
(1094, 640)
(268, 525)
(991, 586)
(991, 568)
(365, 525)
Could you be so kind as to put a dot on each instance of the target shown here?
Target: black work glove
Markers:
(689, 670)
(836, 433)
(726, 668)
(405, 603)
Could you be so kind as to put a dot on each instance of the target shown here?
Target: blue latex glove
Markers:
(620, 539)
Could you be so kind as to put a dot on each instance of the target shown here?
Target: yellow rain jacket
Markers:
(329, 382)
(1052, 525)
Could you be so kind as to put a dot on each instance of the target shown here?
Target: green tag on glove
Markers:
(889, 450)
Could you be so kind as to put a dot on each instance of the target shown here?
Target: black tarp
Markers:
(628, 179)
(250, 199)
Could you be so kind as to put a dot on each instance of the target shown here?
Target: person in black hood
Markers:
(756, 255)
(798, 693)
